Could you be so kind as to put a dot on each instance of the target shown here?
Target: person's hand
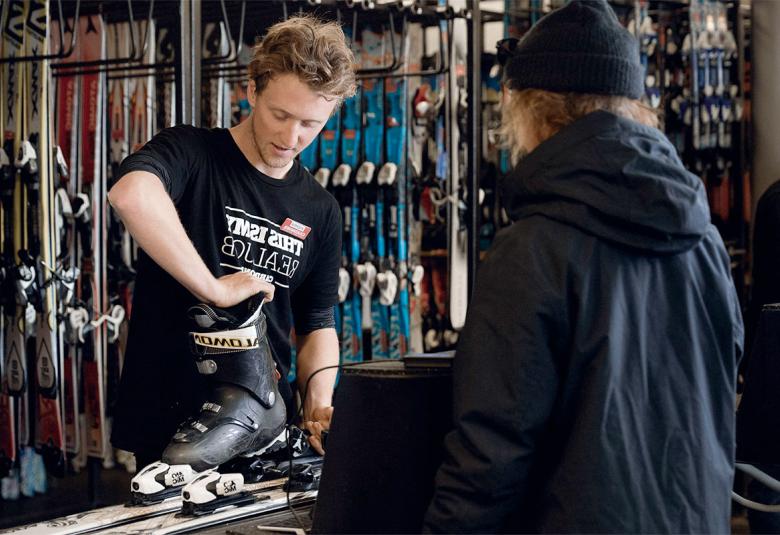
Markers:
(319, 421)
(235, 288)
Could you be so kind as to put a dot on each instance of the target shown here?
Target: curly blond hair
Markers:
(315, 51)
(530, 116)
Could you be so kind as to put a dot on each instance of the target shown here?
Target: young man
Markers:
(595, 377)
(222, 215)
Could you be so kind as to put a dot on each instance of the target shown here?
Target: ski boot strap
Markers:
(224, 342)
(205, 422)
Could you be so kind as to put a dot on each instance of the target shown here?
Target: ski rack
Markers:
(224, 69)
(442, 66)
(112, 61)
(236, 72)
(59, 55)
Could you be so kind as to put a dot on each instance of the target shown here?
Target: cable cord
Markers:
(754, 505)
(298, 414)
(761, 476)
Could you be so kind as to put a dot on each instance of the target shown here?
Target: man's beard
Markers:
(275, 162)
(266, 154)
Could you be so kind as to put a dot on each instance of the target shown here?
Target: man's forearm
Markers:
(150, 217)
(317, 350)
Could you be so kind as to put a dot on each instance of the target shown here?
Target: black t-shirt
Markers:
(286, 230)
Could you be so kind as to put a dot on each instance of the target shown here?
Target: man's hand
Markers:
(319, 421)
(232, 289)
(144, 206)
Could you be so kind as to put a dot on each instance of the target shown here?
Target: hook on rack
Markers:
(235, 46)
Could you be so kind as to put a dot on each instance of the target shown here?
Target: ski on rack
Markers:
(392, 276)
(9, 400)
(457, 240)
(66, 159)
(372, 246)
(344, 189)
(91, 228)
(44, 250)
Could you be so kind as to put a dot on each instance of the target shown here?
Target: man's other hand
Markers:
(319, 421)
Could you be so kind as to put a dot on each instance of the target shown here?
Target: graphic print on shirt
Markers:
(271, 251)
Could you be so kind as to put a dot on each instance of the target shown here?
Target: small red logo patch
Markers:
(299, 230)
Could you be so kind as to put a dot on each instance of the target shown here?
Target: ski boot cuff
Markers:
(239, 356)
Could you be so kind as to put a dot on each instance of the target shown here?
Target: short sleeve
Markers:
(170, 155)
(320, 288)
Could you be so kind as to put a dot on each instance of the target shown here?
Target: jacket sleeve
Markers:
(505, 384)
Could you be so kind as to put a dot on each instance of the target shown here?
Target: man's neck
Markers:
(245, 139)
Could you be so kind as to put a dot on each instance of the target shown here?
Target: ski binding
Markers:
(212, 491)
(159, 481)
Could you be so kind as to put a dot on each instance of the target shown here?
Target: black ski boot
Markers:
(243, 413)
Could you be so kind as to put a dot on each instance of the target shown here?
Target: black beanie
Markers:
(580, 48)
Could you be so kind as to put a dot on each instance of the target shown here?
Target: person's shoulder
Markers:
(536, 244)
(185, 130)
(536, 229)
(186, 133)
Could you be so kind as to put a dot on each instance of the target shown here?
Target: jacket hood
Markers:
(614, 178)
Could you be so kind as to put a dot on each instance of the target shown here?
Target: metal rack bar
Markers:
(474, 128)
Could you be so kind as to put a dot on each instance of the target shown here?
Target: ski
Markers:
(91, 227)
(457, 240)
(15, 377)
(340, 179)
(214, 97)
(165, 514)
(416, 139)
(44, 244)
(372, 245)
(346, 193)
(29, 273)
(8, 405)
(326, 150)
(165, 104)
(270, 501)
(118, 245)
(142, 93)
(68, 116)
(392, 276)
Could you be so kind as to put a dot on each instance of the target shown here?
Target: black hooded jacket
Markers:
(595, 376)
